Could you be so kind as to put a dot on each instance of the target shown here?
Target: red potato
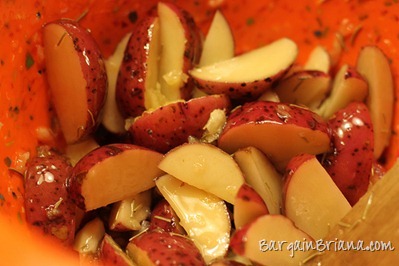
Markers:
(160, 51)
(310, 195)
(375, 67)
(162, 248)
(247, 76)
(164, 217)
(204, 216)
(113, 120)
(206, 167)
(351, 161)
(111, 173)
(248, 206)
(348, 86)
(219, 41)
(269, 240)
(111, 253)
(136, 87)
(306, 87)
(262, 176)
(181, 42)
(169, 126)
(76, 75)
(319, 59)
(47, 203)
(279, 130)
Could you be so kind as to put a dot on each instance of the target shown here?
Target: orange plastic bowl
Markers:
(24, 102)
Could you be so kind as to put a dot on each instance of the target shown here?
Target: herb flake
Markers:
(7, 161)
(29, 62)
(250, 21)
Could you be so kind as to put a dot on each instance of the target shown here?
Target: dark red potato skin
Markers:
(351, 162)
(47, 203)
(92, 61)
(163, 217)
(260, 111)
(239, 240)
(130, 92)
(130, 87)
(238, 92)
(172, 124)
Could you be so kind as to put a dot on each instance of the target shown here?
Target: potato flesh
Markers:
(67, 83)
(203, 215)
(206, 167)
(112, 119)
(291, 140)
(219, 42)
(315, 217)
(120, 177)
(153, 95)
(257, 64)
(172, 56)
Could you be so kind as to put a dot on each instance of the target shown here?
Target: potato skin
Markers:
(350, 164)
(130, 87)
(47, 203)
(172, 124)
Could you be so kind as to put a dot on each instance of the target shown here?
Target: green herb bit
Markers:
(29, 62)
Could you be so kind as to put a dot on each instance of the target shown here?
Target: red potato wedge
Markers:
(118, 171)
(206, 167)
(249, 75)
(161, 248)
(348, 86)
(161, 50)
(204, 216)
(169, 126)
(248, 206)
(374, 66)
(128, 214)
(163, 217)
(89, 237)
(112, 119)
(270, 240)
(310, 195)
(279, 130)
(76, 75)
(262, 176)
(136, 87)
(319, 59)
(307, 87)
(181, 49)
(219, 41)
(350, 164)
(47, 203)
(111, 253)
